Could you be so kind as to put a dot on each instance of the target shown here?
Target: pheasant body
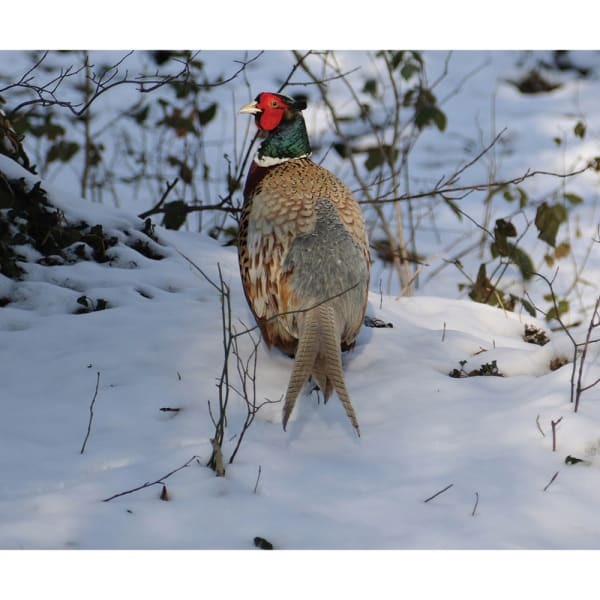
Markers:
(303, 255)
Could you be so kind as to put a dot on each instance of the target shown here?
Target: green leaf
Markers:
(528, 307)
(63, 151)
(408, 70)
(562, 306)
(454, 208)
(375, 158)
(140, 116)
(185, 173)
(379, 155)
(370, 87)
(439, 118)
(48, 129)
(184, 88)
(178, 122)
(408, 97)
(503, 230)
(523, 261)
(579, 129)
(522, 197)
(427, 111)
(396, 58)
(208, 114)
(175, 214)
(343, 149)
(417, 56)
(573, 198)
(547, 221)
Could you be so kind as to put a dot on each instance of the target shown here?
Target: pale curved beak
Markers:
(250, 109)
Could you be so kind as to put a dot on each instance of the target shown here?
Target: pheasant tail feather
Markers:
(319, 354)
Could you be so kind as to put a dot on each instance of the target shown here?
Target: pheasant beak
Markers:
(251, 108)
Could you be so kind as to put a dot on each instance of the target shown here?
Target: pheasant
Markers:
(303, 253)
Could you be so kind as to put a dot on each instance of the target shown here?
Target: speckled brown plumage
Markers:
(304, 262)
(281, 206)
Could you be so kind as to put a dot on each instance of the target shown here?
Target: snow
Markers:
(421, 429)
(316, 486)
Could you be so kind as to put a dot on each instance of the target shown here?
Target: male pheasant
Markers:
(303, 253)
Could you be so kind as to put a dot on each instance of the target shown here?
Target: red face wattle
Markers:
(272, 106)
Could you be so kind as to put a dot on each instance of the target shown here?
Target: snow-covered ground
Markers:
(485, 441)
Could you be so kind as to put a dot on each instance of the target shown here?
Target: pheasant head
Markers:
(279, 119)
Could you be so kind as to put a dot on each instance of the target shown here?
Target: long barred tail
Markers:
(319, 354)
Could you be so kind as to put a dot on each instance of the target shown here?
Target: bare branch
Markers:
(594, 322)
(156, 208)
(438, 493)
(446, 190)
(89, 428)
(159, 481)
(476, 504)
(257, 479)
(46, 94)
(554, 425)
(551, 480)
(537, 422)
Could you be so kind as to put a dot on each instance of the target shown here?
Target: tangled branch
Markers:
(47, 94)
(446, 188)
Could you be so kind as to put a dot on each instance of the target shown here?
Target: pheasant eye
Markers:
(274, 104)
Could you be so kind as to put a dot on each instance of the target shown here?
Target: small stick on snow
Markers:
(554, 424)
(476, 503)
(257, 478)
(89, 428)
(537, 422)
(444, 332)
(438, 493)
(551, 481)
(159, 481)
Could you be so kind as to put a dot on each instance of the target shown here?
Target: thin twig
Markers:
(460, 171)
(151, 483)
(89, 428)
(257, 478)
(441, 191)
(556, 315)
(158, 205)
(476, 503)
(594, 322)
(554, 424)
(537, 422)
(551, 481)
(298, 311)
(47, 93)
(273, 317)
(215, 462)
(438, 493)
